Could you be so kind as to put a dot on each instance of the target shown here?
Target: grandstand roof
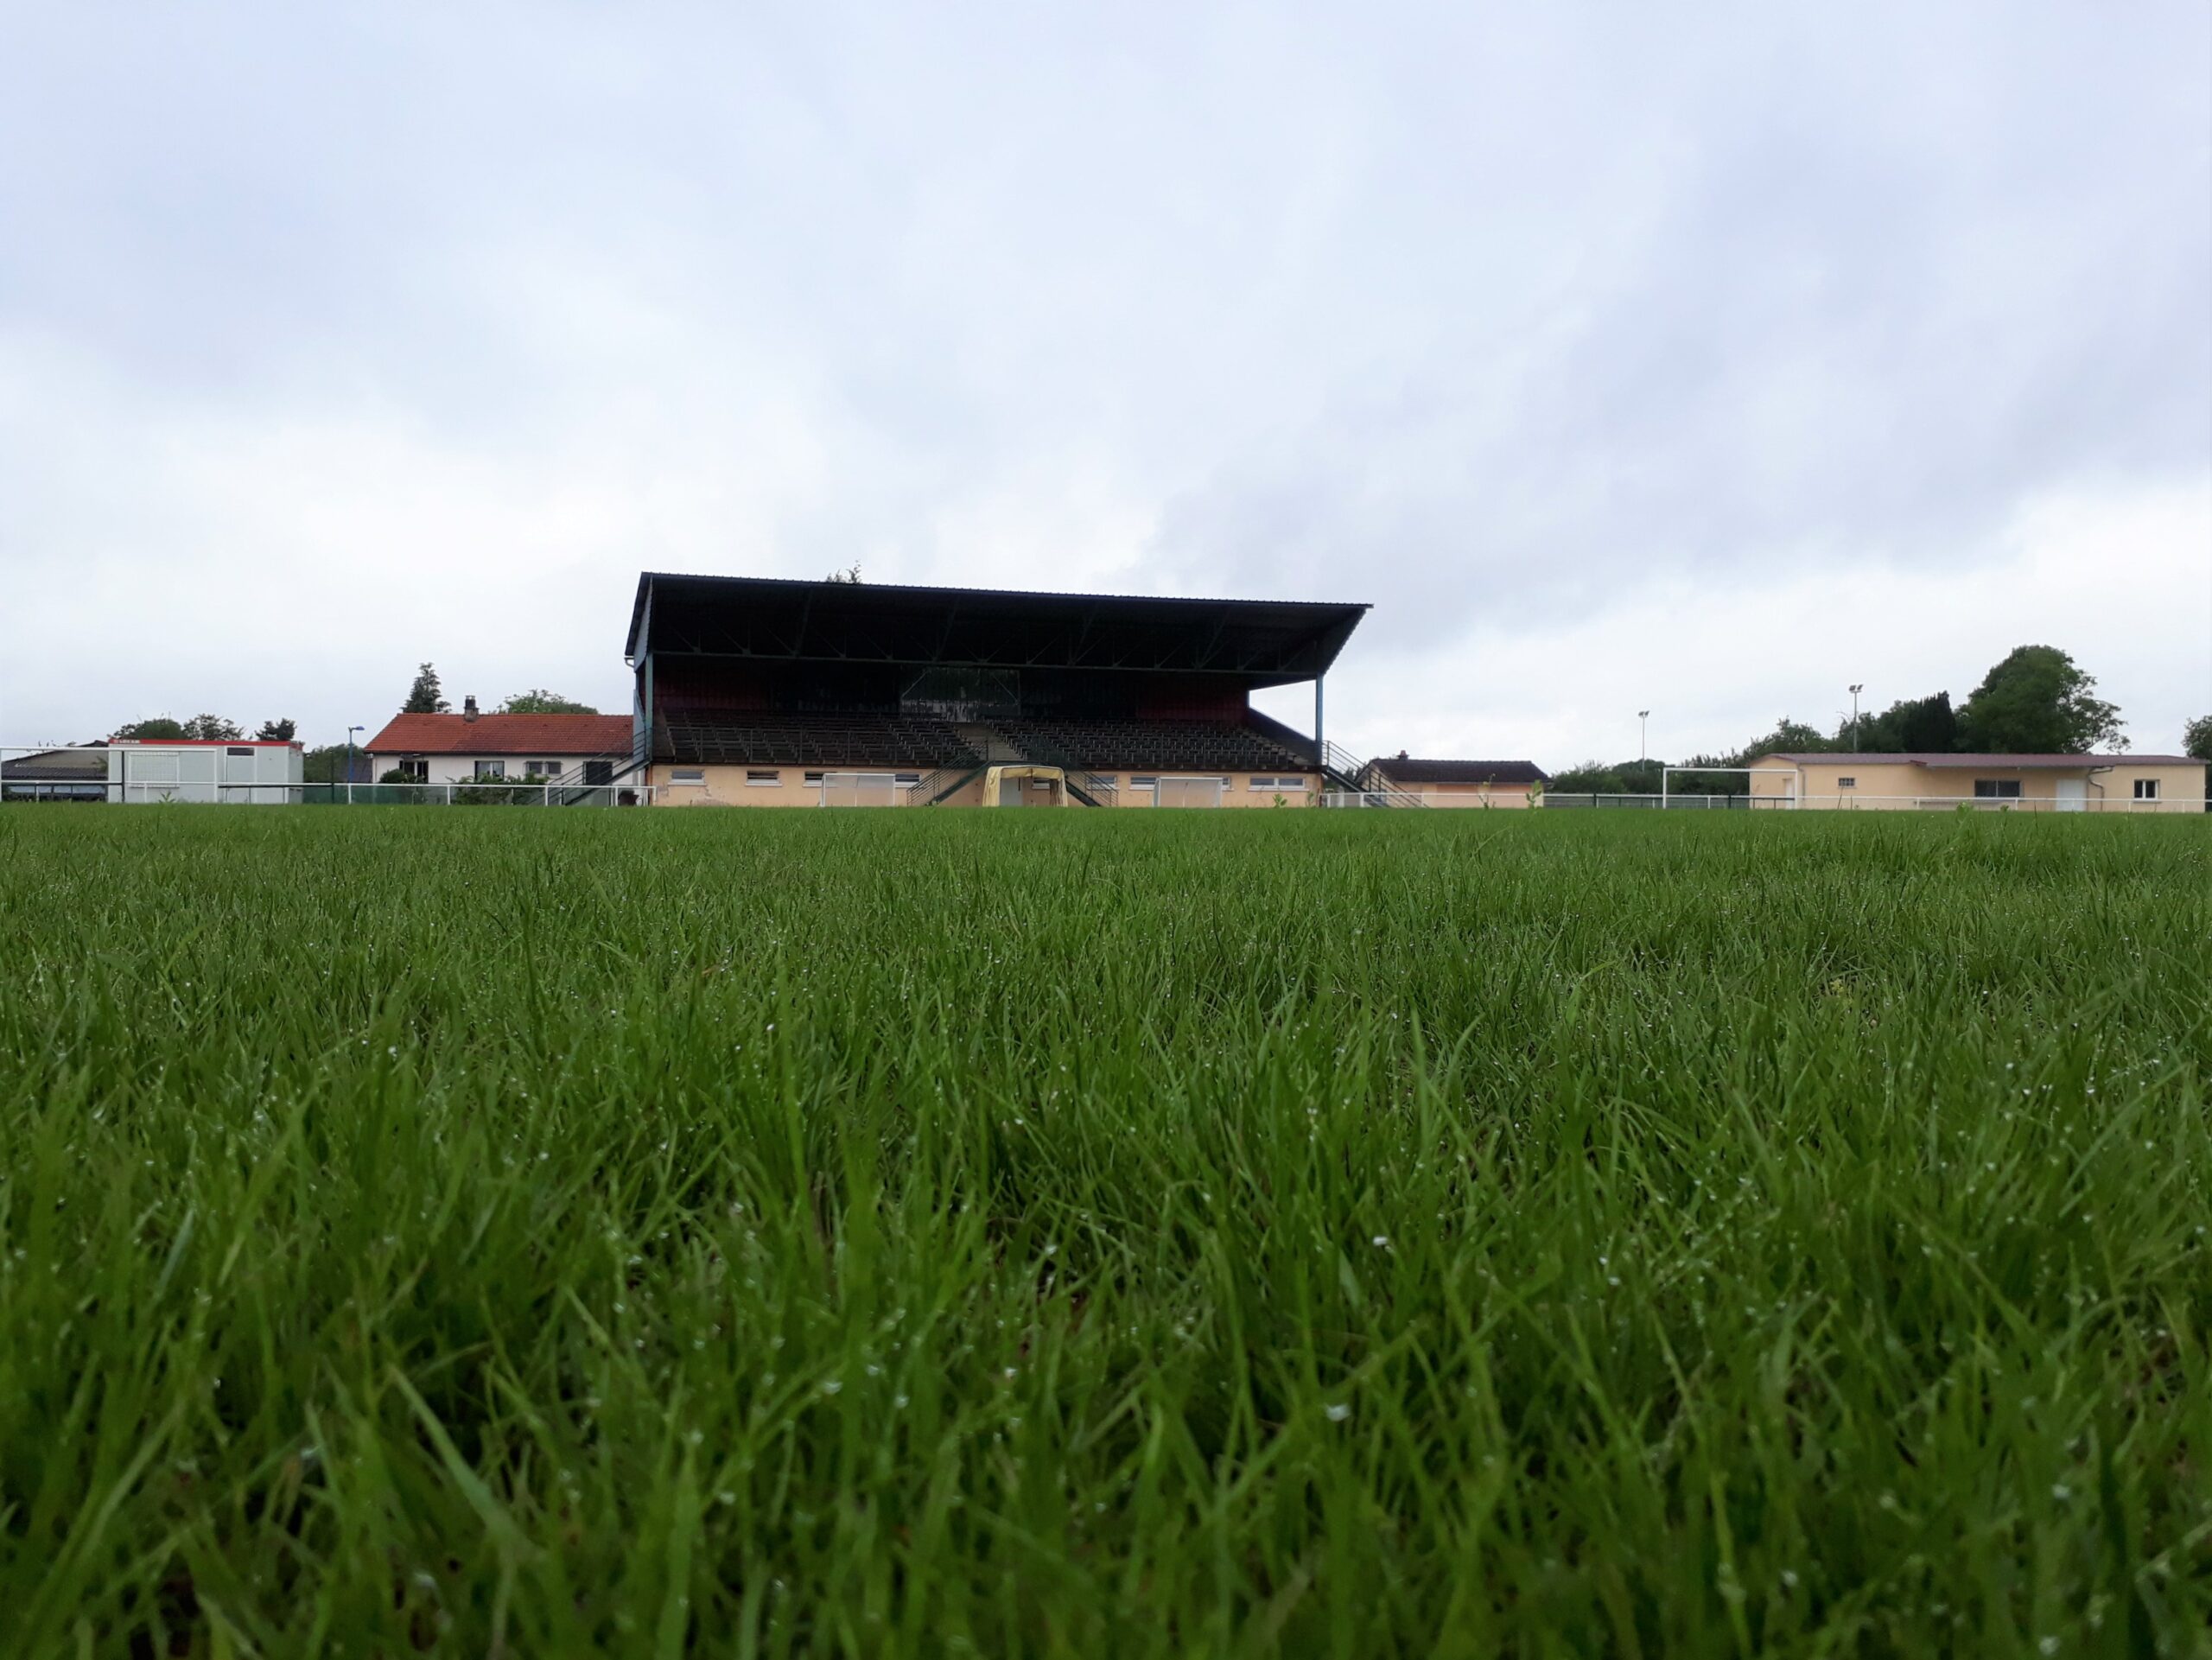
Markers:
(1262, 642)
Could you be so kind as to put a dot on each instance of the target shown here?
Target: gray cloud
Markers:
(444, 324)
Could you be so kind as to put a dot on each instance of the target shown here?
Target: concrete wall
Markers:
(1910, 788)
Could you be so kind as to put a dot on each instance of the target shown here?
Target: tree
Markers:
(850, 574)
(1590, 778)
(426, 696)
(324, 764)
(2196, 739)
(278, 731)
(2038, 701)
(1912, 725)
(1789, 738)
(538, 701)
(207, 728)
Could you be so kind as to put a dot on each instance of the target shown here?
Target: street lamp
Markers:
(350, 731)
(1643, 727)
(1855, 690)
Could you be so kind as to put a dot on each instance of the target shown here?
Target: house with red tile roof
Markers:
(459, 748)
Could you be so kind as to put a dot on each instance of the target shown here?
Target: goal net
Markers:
(1187, 792)
(866, 789)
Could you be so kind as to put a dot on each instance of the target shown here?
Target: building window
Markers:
(414, 769)
(688, 775)
(242, 750)
(1847, 784)
(813, 778)
(540, 768)
(764, 780)
(903, 779)
(2146, 789)
(491, 769)
(1997, 789)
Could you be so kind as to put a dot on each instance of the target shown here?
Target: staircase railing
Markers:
(576, 785)
(943, 782)
(1350, 775)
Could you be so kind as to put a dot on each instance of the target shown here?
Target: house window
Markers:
(1997, 789)
(414, 769)
(1847, 784)
(2146, 789)
(688, 775)
(541, 768)
(764, 780)
(492, 768)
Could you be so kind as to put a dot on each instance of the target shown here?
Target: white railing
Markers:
(1372, 798)
(1854, 801)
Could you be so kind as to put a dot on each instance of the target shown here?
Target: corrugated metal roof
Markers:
(1401, 769)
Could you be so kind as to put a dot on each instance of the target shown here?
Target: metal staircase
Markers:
(1345, 773)
(591, 782)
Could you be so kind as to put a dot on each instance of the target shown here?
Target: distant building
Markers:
(1456, 783)
(62, 774)
(754, 692)
(247, 771)
(2028, 783)
(457, 749)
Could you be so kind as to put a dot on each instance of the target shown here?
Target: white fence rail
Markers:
(1854, 801)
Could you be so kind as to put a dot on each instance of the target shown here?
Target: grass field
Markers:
(1106, 1235)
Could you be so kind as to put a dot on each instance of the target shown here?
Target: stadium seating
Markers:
(1154, 746)
(761, 738)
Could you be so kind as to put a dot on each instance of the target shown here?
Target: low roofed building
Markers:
(2116, 783)
(1457, 783)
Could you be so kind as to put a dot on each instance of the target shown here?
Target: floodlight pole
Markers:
(1855, 690)
(1643, 733)
(350, 731)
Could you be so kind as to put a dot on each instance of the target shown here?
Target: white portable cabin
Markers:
(252, 771)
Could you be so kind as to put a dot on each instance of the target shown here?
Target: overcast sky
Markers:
(1701, 359)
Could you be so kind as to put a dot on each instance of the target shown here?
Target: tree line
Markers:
(2038, 701)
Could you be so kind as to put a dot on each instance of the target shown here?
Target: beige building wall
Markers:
(1238, 789)
(1912, 787)
(729, 786)
(1469, 795)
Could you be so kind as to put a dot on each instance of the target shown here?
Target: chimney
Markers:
(468, 707)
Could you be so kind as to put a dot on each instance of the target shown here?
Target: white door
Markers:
(2073, 795)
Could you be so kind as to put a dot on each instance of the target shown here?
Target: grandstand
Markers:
(759, 692)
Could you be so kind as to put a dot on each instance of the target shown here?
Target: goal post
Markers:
(1787, 799)
(1200, 791)
(866, 789)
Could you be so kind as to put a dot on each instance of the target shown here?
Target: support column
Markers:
(1320, 751)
